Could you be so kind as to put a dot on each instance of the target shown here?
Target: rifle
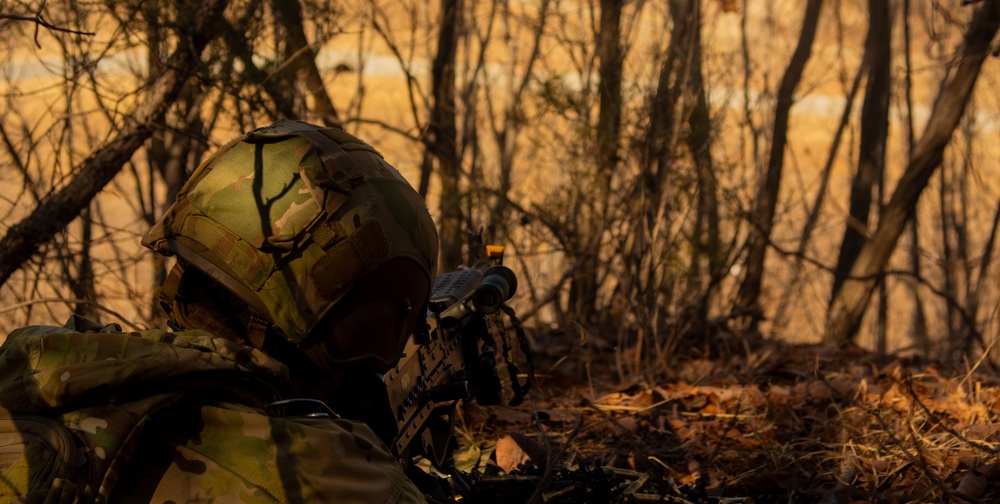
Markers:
(463, 352)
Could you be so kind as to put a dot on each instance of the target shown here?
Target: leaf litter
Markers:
(781, 423)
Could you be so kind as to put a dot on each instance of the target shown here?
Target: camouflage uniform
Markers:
(329, 255)
(167, 417)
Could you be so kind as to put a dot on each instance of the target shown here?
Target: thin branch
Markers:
(39, 21)
(384, 125)
(25, 238)
(940, 422)
(71, 303)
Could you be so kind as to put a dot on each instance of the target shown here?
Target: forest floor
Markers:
(742, 422)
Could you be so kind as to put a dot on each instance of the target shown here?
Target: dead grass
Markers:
(774, 423)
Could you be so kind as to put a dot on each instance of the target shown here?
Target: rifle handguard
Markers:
(459, 355)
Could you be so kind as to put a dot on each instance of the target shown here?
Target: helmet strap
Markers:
(167, 292)
(256, 330)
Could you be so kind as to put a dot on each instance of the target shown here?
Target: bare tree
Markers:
(965, 329)
(175, 149)
(607, 135)
(919, 321)
(848, 307)
(57, 211)
(972, 334)
(762, 217)
(300, 58)
(874, 134)
(40, 21)
(594, 147)
(507, 121)
(442, 137)
(805, 236)
(708, 245)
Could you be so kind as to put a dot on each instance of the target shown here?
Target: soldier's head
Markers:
(296, 236)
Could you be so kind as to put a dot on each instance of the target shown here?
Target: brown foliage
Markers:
(771, 422)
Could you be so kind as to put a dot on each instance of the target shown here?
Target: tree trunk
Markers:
(509, 132)
(919, 320)
(173, 150)
(276, 88)
(584, 286)
(748, 114)
(610, 55)
(58, 210)
(706, 236)
(965, 329)
(849, 306)
(946, 263)
(82, 283)
(443, 131)
(792, 287)
(874, 132)
(651, 190)
(300, 58)
(975, 289)
(762, 219)
(658, 148)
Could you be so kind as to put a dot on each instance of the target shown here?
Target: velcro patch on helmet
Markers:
(350, 259)
(340, 174)
(348, 141)
(323, 234)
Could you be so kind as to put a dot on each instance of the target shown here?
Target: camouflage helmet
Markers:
(289, 218)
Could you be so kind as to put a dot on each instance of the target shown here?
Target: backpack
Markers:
(74, 408)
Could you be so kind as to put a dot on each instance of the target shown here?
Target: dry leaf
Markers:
(729, 5)
(972, 485)
(557, 415)
(509, 455)
(516, 449)
(983, 431)
(512, 416)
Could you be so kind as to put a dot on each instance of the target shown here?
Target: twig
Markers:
(384, 125)
(39, 21)
(607, 418)
(986, 353)
(937, 419)
(930, 474)
(70, 302)
(551, 463)
(730, 425)
(920, 457)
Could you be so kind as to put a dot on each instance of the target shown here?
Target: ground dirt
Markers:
(740, 419)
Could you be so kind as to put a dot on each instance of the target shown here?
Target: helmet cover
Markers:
(289, 216)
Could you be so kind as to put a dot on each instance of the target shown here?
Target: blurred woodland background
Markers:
(810, 171)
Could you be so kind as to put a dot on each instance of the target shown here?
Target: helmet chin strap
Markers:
(256, 330)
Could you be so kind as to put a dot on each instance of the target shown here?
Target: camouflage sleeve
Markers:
(239, 455)
(213, 452)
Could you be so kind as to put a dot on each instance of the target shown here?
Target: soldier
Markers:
(303, 262)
